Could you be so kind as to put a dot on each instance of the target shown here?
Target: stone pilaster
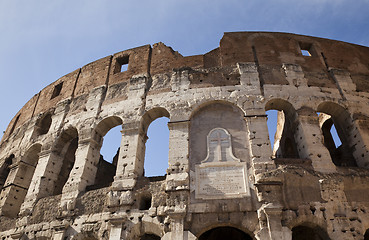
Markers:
(15, 188)
(116, 228)
(270, 216)
(83, 172)
(41, 182)
(177, 173)
(131, 157)
(310, 143)
(259, 144)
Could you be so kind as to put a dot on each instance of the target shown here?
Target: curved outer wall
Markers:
(304, 183)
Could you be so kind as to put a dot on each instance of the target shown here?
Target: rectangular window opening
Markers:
(305, 53)
(122, 64)
(57, 90)
(306, 49)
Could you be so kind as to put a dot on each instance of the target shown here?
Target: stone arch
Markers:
(366, 234)
(143, 230)
(105, 171)
(145, 122)
(285, 144)
(43, 124)
(64, 157)
(85, 236)
(19, 180)
(308, 231)
(4, 169)
(225, 232)
(151, 116)
(217, 114)
(203, 104)
(349, 153)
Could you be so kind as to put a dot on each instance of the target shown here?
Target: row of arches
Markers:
(338, 131)
(305, 231)
(208, 116)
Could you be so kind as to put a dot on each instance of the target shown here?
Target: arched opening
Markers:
(282, 123)
(155, 147)
(66, 147)
(43, 124)
(149, 237)
(221, 233)
(4, 170)
(108, 133)
(338, 137)
(272, 122)
(366, 235)
(309, 233)
(14, 192)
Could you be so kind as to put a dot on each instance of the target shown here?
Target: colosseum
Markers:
(224, 180)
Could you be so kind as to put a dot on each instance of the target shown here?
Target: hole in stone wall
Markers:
(308, 233)
(340, 153)
(109, 154)
(4, 170)
(272, 125)
(57, 90)
(44, 124)
(306, 49)
(149, 237)
(221, 233)
(68, 162)
(281, 135)
(145, 202)
(366, 235)
(122, 64)
(157, 146)
(305, 53)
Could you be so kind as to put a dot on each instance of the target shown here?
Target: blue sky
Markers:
(42, 40)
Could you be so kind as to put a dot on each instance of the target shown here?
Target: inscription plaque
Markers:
(217, 181)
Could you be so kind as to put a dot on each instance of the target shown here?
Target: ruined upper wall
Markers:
(269, 51)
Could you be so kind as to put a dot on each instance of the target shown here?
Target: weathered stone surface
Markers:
(223, 180)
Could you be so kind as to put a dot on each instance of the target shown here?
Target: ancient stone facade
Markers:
(224, 181)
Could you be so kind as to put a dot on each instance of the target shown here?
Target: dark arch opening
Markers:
(4, 170)
(66, 148)
(221, 233)
(44, 124)
(341, 156)
(342, 146)
(149, 237)
(308, 233)
(282, 121)
(366, 235)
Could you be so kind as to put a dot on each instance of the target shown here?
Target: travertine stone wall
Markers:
(51, 170)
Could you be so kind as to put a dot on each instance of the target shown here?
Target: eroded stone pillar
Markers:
(270, 216)
(177, 173)
(15, 188)
(360, 140)
(42, 182)
(259, 144)
(83, 172)
(310, 144)
(116, 229)
(130, 163)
